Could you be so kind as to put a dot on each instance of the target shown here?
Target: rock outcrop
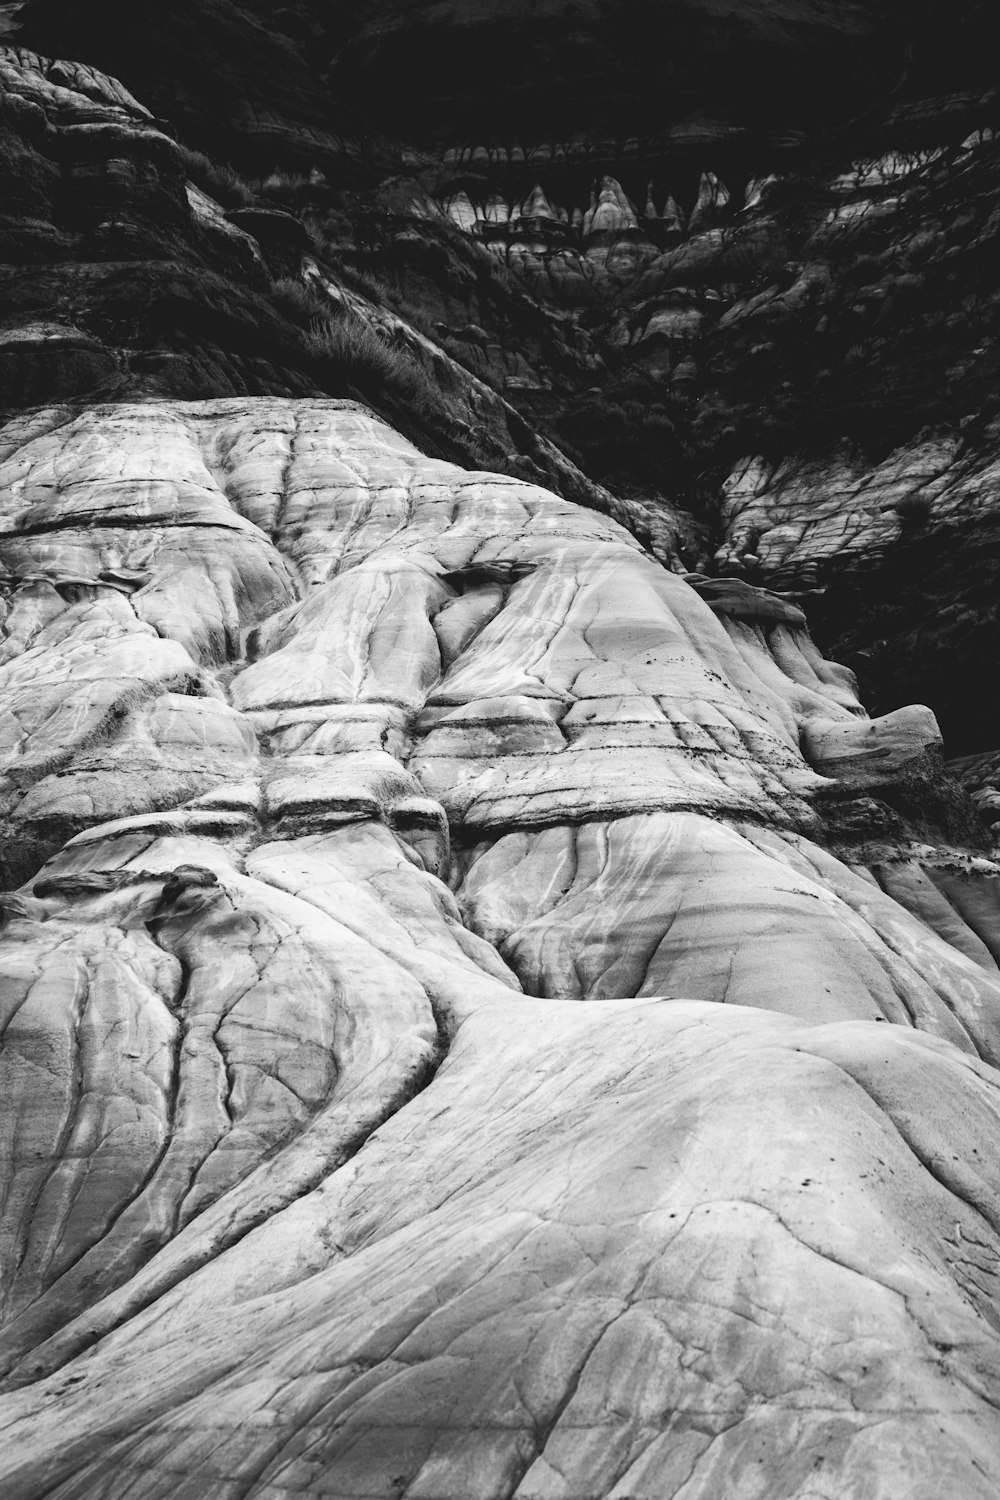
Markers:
(171, 294)
(445, 1053)
(639, 312)
(816, 346)
(488, 1009)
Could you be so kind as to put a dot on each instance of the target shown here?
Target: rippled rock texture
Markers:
(121, 277)
(756, 275)
(811, 342)
(483, 1016)
(485, 1012)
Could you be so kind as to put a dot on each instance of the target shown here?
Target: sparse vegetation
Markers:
(351, 349)
(218, 180)
(365, 355)
(296, 299)
(281, 188)
(915, 508)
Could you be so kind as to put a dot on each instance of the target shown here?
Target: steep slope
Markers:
(672, 261)
(811, 356)
(320, 1174)
(123, 277)
(227, 70)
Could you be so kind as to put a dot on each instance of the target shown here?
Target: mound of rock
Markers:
(451, 1042)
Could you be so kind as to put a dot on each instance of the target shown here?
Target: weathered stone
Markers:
(317, 1173)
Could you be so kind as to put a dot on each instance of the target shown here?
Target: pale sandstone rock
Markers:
(793, 525)
(553, 903)
(537, 205)
(951, 917)
(713, 196)
(330, 751)
(70, 92)
(869, 753)
(611, 235)
(672, 216)
(461, 212)
(665, 1306)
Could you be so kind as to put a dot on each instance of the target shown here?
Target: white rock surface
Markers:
(793, 524)
(334, 779)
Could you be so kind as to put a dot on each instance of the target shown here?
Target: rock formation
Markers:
(486, 1013)
(336, 779)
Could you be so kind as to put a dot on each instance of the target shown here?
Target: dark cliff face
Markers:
(220, 71)
(613, 68)
(669, 240)
(437, 74)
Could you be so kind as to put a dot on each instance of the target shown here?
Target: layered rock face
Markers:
(483, 1016)
(118, 274)
(813, 345)
(122, 277)
(485, 1013)
(689, 260)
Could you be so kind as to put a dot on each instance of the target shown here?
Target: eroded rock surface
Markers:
(485, 1015)
(671, 244)
(810, 334)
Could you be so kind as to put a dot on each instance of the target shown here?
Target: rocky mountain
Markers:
(490, 1009)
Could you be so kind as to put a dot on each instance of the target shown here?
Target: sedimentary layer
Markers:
(457, 1041)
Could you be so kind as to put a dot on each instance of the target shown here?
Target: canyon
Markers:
(500, 788)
